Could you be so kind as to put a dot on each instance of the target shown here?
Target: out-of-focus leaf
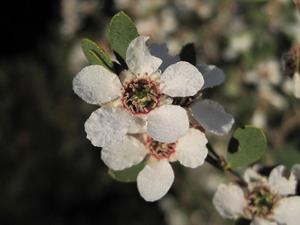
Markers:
(246, 146)
(188, 53)
(95, 54)
(121, 32)
(127, 175)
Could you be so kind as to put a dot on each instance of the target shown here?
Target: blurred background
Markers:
(51, 174)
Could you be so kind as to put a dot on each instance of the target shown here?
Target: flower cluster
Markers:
(265, 200)
(138, 122)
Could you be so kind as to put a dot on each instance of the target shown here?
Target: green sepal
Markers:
(127, 175)
(95, 54)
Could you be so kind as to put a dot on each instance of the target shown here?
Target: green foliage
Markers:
(95, 54)
(246, 146)
(127, 175)
(121, 32)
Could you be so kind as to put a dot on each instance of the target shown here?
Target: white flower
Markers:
(156, 178)
(265, 201)
(140, 100)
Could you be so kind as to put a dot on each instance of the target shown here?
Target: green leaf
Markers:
(95, 54)
(121, 32)
(188, 53)
(246, 146)
(127, 175)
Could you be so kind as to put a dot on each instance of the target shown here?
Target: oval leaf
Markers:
(121, 32)
(246, 146)
(95, 54)
(127, 175)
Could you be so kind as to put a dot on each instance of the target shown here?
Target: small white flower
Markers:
(156, 178)
(265, 201)
(140, 100)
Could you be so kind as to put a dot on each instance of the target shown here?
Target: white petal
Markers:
(229, 200)
(106, 125)
(138, 57)
(260, 221)
(212, 117)
(168, 123)
(124, 154)
(288, 211)
(181, 79)
(191, 149)
(96, 85)
(155, 180)
(251, 175)
(162, 51)
(281, 184)
(213, 76)
(296, 81)
(295, 172)
(138, 126)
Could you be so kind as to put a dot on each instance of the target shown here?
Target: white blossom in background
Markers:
(140, 101)
(265, 201)
(266, 77)
(156, 178)
(238, 44)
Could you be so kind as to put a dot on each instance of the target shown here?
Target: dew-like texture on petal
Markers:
(124, 154)
(191, 149)
(281, 184)
(260, 221)
(229, 200)
(155, 180)
(96, 85)
(288, 211)
(296, 81)
(212, 75)
(107, 125)
(212, 117)
(138, 57)
(181, 79)
(168, 123)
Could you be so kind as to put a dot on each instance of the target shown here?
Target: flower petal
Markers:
(181, 79)
(162, 51)
(288, 211)
(168, 123)
(106, 125)
(212, 117)
(213, 76)
(138, 126)
(251, 175)
(296, 81)
(124, 154)
(96, 85)
(295, 172)
(191, 149)
(155, 180)
(138, 57)
(281, 184)
(229, 200)
(260, 221)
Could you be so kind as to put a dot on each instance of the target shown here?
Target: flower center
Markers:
(261, 202)
(140, 96)
(160, 150)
